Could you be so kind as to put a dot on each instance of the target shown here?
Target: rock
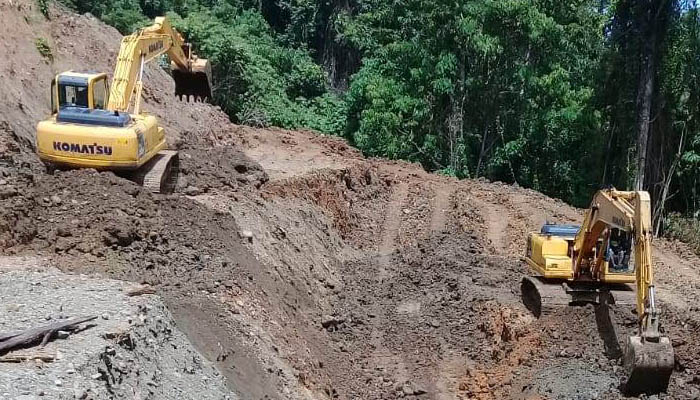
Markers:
(119, 235)
(105, 316)
(62, 334)
(8, 191)
(63, 232)
(405, 388)
(62, 245)
(248, 235)
(330, 322)
(55, 200)
(417, 391)
(96, 376)
(193, 191)
(58, 382)
(229, 283)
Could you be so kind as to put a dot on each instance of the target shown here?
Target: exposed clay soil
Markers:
(304, 271)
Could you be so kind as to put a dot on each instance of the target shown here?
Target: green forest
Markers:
(564, 97)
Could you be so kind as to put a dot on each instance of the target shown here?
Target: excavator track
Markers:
(541, 297)
(160, 174)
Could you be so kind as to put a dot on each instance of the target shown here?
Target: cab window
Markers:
(54, 108)
(73, 96)
(99, 92)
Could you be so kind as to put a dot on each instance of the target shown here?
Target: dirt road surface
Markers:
(302, 270)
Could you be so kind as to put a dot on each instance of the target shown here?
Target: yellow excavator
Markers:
(594, 263)
(91, 126)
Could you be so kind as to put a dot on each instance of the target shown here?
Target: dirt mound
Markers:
(80, 43)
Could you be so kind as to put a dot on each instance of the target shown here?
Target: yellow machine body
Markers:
(77, 145)
(550, 257)
(91, 125)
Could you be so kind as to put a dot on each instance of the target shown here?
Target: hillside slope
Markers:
(304, 271)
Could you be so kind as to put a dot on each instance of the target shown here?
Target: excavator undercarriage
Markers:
(160, 174)
(543, 297)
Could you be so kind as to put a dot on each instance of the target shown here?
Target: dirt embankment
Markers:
(302, 270)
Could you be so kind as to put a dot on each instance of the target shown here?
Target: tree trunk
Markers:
(645, 92)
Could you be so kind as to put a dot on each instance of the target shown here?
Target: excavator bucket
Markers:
(193, 84)
(649, 365)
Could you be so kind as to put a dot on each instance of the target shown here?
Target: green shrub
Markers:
(685, 229)
(44, 7)
(126, 17)
(44, 49)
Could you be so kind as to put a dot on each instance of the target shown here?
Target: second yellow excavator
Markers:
(593, 264)
(91, 126)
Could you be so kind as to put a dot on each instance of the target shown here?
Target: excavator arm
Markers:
(609, 209)
(648, 355)
(192, 75)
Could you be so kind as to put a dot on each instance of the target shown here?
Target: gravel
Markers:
(134, 350)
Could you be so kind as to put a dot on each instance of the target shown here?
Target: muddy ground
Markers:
(304, 271)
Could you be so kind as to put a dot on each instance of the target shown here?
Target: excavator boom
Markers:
(192, 75)
(648, 355)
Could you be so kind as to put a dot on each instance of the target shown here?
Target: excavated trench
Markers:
(343, 283)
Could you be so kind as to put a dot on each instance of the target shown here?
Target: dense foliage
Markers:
(560, 96)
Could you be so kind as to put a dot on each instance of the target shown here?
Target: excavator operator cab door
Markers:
(97, 88)
(54, 97)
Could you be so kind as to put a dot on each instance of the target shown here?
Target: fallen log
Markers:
(140, 290)
(10, 335)
(18, 356)
(42, 333)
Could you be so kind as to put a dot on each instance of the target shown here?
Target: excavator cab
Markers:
(619, 251)
(79, 90)
(81, 98)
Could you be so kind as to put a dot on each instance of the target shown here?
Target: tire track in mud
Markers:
(496, 218)
(392, 222)
(440, 208)
(451, 367)
(383, 357)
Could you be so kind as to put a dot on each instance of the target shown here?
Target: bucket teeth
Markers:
(194, 86)
(649, 365)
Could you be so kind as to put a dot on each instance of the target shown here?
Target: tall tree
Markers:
(652, 17)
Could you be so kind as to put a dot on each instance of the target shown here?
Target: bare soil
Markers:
(304, 271)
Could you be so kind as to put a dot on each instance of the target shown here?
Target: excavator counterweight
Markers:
(594, 263)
